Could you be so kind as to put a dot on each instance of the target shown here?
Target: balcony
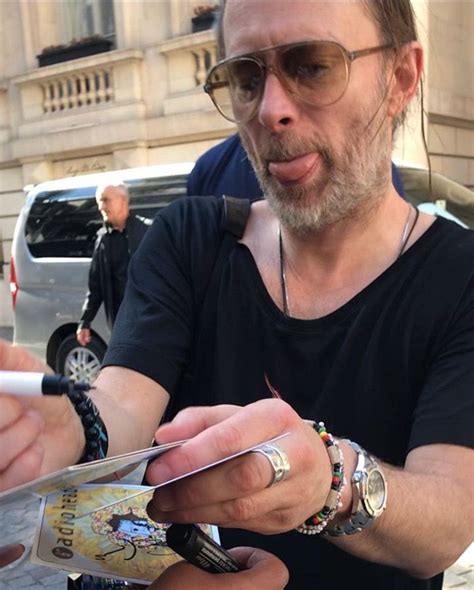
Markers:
(75, 91)
(70, 93)
(188, 59)
(122, 98)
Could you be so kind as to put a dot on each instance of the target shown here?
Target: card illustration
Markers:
(118, 542)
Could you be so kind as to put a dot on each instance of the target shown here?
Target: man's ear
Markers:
(406, 75)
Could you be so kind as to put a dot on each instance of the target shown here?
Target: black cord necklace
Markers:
(406, 235)
(284, 292)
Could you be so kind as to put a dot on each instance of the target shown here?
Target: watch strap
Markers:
(360, 519)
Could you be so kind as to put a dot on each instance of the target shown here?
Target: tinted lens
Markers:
(316, 72)
(236, 87)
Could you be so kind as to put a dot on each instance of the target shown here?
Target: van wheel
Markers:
(81, 363)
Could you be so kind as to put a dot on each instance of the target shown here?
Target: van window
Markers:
(65, 223)
(149, 195)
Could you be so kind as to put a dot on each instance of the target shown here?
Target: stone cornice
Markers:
(458, 122)
(186, 43)
(107, 58)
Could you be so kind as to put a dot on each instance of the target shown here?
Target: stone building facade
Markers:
(142, 103)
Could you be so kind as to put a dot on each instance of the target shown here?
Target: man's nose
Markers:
(278, 109)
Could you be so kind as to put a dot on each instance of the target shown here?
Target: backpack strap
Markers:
(235, 215)
(234, 219)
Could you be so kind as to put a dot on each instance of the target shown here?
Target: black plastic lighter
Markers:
(192, 543)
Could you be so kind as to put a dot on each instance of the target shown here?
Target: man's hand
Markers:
(83, 336)
(264, 571)
(38, 434)
(235, 494)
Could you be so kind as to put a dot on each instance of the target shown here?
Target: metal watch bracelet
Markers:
(369, 495)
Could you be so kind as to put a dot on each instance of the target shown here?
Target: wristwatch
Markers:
(369, 495)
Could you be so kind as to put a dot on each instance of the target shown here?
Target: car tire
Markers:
(81, 363)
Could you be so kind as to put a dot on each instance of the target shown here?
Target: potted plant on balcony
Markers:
(204, 17)
(74, 50)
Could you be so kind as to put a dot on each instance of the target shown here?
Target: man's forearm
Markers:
(429, 517)
(89, 309)
(131, 406)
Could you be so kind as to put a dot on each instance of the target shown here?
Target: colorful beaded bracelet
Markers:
(317, 522)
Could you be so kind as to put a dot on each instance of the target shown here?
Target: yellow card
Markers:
(119, 541)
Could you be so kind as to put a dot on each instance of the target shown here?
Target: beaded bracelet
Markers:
(317, 522)
(95, 432)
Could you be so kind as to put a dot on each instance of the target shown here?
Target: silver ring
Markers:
(278, 459)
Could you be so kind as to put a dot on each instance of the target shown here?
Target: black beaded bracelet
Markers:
(95, 432)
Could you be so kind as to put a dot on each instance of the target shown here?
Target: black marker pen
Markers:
(22, 383)
(189, 541)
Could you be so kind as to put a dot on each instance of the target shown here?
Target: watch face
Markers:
(376, 491)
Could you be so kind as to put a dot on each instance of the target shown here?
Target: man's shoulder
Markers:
(224, 149)
(454, 240)
(193, 206)
(191, 217)
(442, 262)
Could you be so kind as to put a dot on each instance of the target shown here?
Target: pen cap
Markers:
(55, 384)
(184, 539)
(58, 384)
(195, 546)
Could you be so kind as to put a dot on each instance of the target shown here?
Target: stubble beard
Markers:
(348, 184)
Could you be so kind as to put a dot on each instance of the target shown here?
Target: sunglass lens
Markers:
(237, 87)
(317, 71)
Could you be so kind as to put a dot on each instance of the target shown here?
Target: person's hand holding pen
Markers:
(30, 424)
(263, 571)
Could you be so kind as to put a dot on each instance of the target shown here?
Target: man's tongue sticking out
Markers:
(294, 170)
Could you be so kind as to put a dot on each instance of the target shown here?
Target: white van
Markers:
(51, 251)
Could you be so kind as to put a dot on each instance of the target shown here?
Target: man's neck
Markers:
(335, 263)
(120, 226)
(362, 237)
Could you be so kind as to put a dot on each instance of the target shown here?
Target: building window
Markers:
(90, 17)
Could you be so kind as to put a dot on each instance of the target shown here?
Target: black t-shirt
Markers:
(392, 369)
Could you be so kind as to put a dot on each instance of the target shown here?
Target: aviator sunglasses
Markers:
(317, 72)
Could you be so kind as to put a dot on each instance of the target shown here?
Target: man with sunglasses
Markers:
(334, 301)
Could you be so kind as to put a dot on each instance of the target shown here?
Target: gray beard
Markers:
(352, 183)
